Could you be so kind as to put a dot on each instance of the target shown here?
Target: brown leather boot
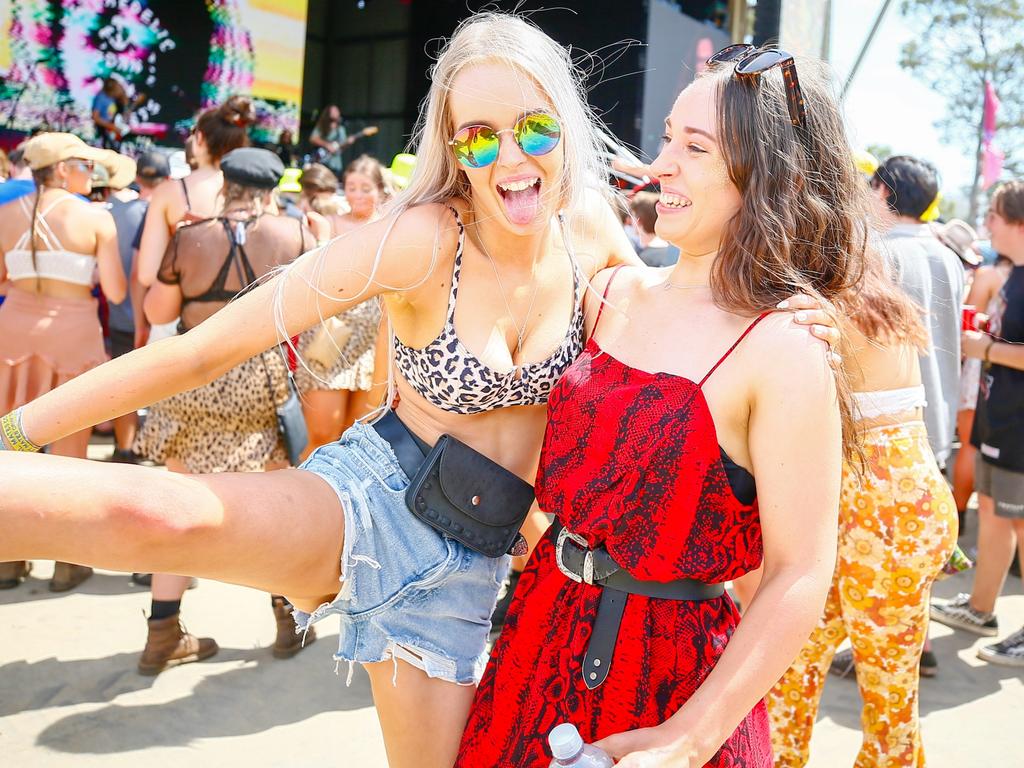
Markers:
(288, 642)
(68, 576)
(169, 645)
(13, 573)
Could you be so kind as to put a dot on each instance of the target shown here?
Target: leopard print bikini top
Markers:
(452, 378)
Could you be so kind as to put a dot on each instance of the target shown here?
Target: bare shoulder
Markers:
(787, 356)
(597, 234)
(401, 249)
(92, 214)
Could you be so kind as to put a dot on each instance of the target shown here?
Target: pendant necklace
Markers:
(520, 332)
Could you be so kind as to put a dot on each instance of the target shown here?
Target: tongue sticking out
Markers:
(522, 206)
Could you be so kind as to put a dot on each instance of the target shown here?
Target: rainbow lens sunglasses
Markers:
(536, 134)
(752, 62)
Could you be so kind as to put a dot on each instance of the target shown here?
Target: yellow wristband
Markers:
(10, 426)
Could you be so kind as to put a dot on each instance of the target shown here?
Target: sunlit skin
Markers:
(476, 101)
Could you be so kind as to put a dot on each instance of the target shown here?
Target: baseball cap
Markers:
(153, 166)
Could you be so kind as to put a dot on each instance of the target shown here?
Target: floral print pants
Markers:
(897, 527)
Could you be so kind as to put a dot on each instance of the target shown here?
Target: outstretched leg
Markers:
(280, 532)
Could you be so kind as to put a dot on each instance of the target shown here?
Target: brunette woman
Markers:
(229, 425)
(475, 266)
(621, 624)
(53, 244)
(336, 376)
(218, 130)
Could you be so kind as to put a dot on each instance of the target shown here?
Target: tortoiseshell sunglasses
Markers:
(752, 62)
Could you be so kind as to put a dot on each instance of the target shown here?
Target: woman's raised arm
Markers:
(249, 325)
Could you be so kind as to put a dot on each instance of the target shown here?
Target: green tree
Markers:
(960, 44)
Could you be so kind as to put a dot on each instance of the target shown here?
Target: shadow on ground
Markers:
(266, 691)
(37, 588)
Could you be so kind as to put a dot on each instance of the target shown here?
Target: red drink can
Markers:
(969, 319)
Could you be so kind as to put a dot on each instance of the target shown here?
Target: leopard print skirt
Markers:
(353, 368)
(228, 425)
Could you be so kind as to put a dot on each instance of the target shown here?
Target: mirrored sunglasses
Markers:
(477, 146)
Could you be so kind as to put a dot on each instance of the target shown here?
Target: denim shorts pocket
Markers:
(382, 588)
(387, 472)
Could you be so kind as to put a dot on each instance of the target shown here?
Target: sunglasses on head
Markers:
(752, 62)
(536, 134)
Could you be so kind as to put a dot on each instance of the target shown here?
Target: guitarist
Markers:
(329, 138)
(110, 110)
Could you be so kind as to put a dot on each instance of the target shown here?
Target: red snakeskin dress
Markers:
(630, 462)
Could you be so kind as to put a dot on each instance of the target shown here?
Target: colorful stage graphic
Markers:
(174, 57)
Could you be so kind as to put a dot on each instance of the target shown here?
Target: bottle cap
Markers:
(565, 741)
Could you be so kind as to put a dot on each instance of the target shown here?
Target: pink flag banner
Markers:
(991, 157)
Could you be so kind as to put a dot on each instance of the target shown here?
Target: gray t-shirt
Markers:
(933, 277)
(128, 218)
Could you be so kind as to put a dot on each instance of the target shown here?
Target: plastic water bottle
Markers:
(569, 751)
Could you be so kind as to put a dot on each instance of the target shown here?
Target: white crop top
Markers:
(888, 402)
(52, 261)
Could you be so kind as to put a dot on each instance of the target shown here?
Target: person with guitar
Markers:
(329, 138)
(110, 110)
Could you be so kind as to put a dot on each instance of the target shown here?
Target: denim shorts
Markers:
(408, 592)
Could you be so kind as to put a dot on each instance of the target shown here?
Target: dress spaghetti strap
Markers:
(604, 298)
(188, 203)
(735, 344)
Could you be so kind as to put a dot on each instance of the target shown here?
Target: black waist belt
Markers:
(595, 566)
(460, 492)
(409, 449)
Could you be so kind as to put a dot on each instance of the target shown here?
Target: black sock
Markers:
(162, 609)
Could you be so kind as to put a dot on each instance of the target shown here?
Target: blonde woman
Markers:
(482, 264)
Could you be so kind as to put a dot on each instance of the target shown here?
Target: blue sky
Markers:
(885, 104)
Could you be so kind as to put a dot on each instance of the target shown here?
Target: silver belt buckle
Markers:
(588, 558)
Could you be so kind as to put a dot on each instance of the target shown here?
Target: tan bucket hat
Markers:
(48, 149)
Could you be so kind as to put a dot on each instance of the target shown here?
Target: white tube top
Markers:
(71, 267)
(888, 402)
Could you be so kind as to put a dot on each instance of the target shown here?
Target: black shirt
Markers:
(999, 421)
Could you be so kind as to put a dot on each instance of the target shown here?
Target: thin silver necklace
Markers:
(684, 286)
(520, 332)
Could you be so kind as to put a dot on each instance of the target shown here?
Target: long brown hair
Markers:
(804, 220)
(881, 310)
(40, 176)
(225, 127)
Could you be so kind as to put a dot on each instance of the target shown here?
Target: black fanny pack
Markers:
(459, 491)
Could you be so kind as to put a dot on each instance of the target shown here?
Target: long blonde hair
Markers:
(486, 38)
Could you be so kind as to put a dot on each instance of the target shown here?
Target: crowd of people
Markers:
(500, 382)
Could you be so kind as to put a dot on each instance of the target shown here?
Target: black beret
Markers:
(252, 167)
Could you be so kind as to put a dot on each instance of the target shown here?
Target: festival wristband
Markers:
(10, 426)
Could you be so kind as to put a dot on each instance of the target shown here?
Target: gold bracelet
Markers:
(11, 427)
(988, 350)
